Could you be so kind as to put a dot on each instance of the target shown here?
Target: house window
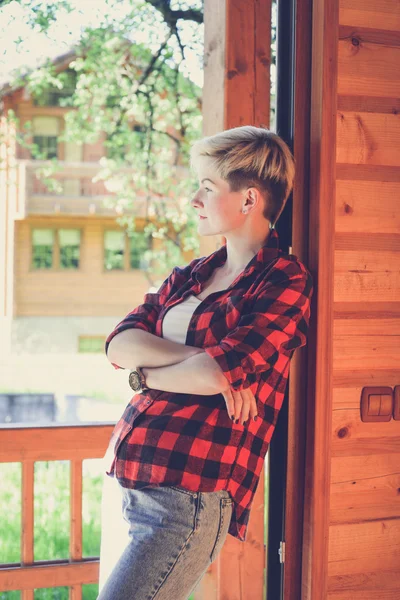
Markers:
(123, 251)
(53, 96)
(139, 247)
(46, 145)
(42, 248)
(69, 241)
(45, 132)
(91, 343)
(56, 248)
(114, 247)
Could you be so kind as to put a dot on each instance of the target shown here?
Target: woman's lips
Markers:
(202, 217)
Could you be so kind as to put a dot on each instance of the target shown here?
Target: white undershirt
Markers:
(176, 320)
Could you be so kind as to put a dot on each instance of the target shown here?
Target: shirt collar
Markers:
(265, 254)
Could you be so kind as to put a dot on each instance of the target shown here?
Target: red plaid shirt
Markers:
(251, 329)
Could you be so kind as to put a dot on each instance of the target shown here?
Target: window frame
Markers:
(43, 137)
(56, 266)
(52, 95)
(127, 252)
(69, 269)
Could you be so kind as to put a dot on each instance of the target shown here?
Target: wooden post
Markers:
(237, 58)
(8, 191)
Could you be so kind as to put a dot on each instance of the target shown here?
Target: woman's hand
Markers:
(240, 405)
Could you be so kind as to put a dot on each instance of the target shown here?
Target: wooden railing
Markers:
(27, 444)
(79, 194)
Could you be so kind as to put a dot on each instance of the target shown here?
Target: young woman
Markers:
(209, 356)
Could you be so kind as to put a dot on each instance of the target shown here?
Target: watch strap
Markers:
(142, 379)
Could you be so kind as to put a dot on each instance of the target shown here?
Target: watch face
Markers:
(134, 381)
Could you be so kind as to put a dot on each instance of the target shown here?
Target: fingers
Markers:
(233, 401)
(230, 403)
(249, 407)
(240, 405)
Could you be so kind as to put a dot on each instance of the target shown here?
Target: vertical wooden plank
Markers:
(247, 102)
(75, 592)
(321, 262)
(262, 63)
(4, 220)
(27, 513)
(237, 92)
(7, 228)
(208, 586)
(240, 92)
(297, 391)
(248, 61)
(213, 87)
(240, 573)
(76, 521)
(76, 510)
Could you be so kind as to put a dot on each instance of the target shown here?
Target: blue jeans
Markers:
(163, 544)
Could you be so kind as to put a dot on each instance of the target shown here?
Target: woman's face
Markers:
(221, 208)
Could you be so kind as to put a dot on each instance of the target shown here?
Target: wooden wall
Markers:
(364, 528)
(89, 291)
(351, 547)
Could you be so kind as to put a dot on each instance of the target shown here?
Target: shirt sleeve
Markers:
(277, 323)
(146, 314)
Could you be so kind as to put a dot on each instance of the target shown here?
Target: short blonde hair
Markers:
(251, 156)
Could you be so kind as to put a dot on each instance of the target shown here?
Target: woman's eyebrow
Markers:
(207, 179)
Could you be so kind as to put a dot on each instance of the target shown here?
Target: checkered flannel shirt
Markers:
(251, 330)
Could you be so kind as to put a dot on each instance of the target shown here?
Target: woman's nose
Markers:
(195, 200)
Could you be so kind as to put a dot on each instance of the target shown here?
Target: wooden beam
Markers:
(237, 58)
(248, 62)
(54, 442)
(48, 575)
(297, 391)
(325, 32)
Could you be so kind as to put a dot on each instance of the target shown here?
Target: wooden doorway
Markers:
(237, 91)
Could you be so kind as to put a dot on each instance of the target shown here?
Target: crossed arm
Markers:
(174, 367)
(167, 365)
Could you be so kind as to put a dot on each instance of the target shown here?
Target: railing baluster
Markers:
(76, 510)
(76, 521)
(27, 519)
(75, 592)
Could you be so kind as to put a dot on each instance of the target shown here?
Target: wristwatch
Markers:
(137, 380)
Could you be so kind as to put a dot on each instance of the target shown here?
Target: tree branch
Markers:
(172, 16)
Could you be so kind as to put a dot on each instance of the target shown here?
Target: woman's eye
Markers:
(208, 189)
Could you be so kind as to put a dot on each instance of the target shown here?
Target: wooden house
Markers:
(66, 263)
